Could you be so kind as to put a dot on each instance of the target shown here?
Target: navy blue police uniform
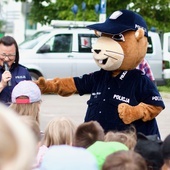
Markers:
(19, 73)
(107, 92)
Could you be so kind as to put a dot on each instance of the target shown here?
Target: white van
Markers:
(154, 57)
(166, 54)
(59, 52)
(67, 52)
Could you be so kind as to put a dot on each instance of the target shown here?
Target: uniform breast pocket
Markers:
(93, 109)
(93, 103)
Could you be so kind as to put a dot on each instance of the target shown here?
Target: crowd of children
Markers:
(64, 145)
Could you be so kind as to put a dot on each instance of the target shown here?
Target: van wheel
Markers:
(34, 76)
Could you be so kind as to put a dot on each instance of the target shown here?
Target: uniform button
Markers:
(100, 111)
(104, 99)
(108, 88)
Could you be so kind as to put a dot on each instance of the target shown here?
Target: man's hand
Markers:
(6, 76)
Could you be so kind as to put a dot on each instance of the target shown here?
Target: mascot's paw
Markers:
(128, 113)
(41, 84)
(47, 86)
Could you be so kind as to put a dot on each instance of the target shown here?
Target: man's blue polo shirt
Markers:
(107, 92)
(19, 73)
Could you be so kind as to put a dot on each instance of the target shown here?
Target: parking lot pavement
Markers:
(75, 107)
(163, 118)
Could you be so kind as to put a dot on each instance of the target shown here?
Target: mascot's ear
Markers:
(139, 34)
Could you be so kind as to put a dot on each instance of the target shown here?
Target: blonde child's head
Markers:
(33, 125)
(26, 99)
(17, 142)
(31, 109)
(59, 131)
(128, 137)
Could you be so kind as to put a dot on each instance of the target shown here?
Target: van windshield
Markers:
(33, 40)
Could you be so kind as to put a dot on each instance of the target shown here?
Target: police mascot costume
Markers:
(120, 94)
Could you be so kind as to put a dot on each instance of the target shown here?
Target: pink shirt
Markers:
(42, 150)
(145, 68)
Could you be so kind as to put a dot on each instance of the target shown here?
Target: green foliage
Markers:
(61, 10)
(2, 22)
(164, 89)
(155, 12)
(168, 83)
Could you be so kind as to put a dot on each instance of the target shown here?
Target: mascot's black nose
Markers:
(97, 51)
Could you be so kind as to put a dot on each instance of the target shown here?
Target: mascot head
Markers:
(122, 42)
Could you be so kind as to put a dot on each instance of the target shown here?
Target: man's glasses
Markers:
(10, 56)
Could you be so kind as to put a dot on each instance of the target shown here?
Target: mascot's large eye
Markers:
(118, 37)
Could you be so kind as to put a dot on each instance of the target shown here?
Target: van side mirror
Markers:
(44, 49)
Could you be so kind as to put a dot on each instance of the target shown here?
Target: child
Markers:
(124, 160)
(166, 152)
(26, 99)
(34, 126)
(87, 133)
(101, 150)
(17, 143)
(66, 157)
(57, 132)
(149, 147)
(126, 137)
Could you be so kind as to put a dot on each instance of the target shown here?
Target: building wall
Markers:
(15, 20)
(15, 16)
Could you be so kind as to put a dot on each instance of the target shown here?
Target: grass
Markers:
(165, 88)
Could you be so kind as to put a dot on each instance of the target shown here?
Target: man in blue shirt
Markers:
(13, 72)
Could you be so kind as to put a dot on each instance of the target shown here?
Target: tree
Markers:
(155, 12)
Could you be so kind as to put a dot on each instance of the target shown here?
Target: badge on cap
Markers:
(115, 15)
